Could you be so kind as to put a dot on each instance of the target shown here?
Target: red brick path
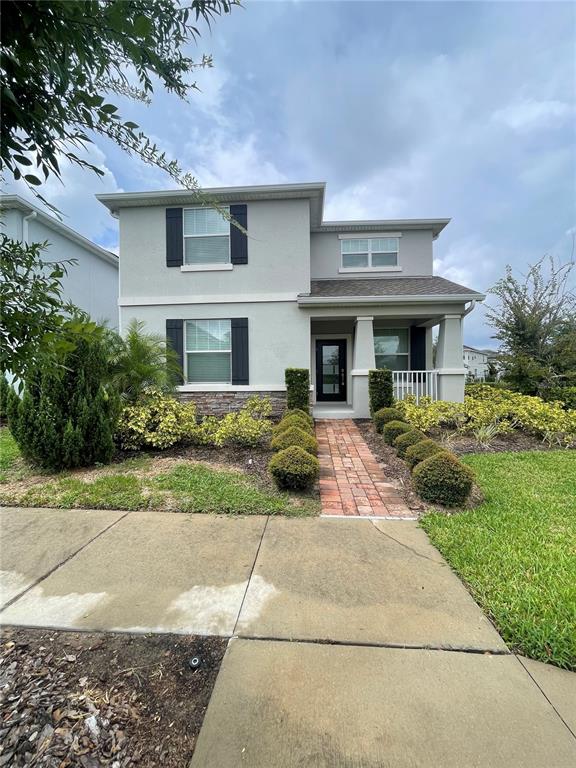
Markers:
(351, 481)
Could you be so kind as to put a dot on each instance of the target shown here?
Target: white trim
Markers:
(375, 235)
(165, 301)
(207, 267)
(451, 371)
(364, 317)
(370, 269)
(359, 372)
(222, 387)
(402, 299)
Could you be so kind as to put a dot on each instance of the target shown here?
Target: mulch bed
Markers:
(93, 699)
(515, 441)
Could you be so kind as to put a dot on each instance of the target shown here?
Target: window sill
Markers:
(370, 269)
(206, 267)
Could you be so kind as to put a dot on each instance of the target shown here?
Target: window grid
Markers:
(209, 341)
(206, 236)
(370, 252)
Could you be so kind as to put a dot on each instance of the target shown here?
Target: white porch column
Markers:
(363, 360)
(449, 359)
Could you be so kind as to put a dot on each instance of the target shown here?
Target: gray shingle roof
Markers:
(389, 286)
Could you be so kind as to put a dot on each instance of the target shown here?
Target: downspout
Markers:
(25, 221)
(470, 308)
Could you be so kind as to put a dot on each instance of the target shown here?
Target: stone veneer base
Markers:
(221, 403)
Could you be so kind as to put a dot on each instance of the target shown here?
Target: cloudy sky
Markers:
(456, 109)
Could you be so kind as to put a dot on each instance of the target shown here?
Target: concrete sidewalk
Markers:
(355, 644)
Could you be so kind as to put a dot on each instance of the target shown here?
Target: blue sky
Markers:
(455, 109)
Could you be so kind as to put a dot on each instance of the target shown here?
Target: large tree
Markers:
(535, 323)
(62, 62)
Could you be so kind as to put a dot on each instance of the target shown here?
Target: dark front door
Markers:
(331, 370)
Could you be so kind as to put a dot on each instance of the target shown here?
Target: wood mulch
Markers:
(85, 700)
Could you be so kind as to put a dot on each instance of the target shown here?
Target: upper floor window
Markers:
(369, 253)
(206, 237)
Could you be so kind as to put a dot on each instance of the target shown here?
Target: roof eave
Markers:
(405, 299)
(436, 225)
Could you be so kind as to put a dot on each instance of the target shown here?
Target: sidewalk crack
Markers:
(250, 576)
(406, 546)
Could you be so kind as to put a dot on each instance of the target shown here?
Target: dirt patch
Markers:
(515, 441)
(94, 699)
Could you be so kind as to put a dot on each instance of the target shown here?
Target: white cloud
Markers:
(529, 114)
(467, 261)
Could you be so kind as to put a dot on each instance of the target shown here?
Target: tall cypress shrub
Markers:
(67, 416)
(380, 389)
(297, 388)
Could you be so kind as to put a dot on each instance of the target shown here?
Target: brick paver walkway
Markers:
(351, 480)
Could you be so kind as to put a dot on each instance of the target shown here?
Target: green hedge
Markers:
(442, 479)
(394, 429)
(294, 468)
(294, 420)
(299, 412)
(384, 415)
(420, 451)
(380, 391)
(295, 436)
(407, 439)
(297, 388)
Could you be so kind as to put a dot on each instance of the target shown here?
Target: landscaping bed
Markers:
(517, 550)
(94, 699)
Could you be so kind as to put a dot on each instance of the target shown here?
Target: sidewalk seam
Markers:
(250, 577)
(537, 684)
(59, 565)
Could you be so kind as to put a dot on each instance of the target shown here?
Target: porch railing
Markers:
(417, 383)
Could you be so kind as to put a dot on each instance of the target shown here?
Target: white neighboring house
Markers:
(476, 363)
(92, 283)
(336, 297)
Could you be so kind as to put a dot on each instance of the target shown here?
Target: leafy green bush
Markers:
(420, 451)
(241, 428)
(564, 395)
(294, 420)
(258, 407)
(156, 421)
(299, 412)
(297, 388)
(295, 436)
(405, 440)
(67, 415)
(442, 479)
(4, 396)
(380, 390)
(294, 468)
(384, 415)
(394, 429)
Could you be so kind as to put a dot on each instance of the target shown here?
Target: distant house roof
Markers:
(15, 202)
(388, 289)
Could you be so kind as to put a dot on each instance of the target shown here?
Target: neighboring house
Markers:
(92, 283)
(337, 297)
(476, 363)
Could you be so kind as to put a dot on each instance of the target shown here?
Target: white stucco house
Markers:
(475, 362)
(92, 283)
(337, 297)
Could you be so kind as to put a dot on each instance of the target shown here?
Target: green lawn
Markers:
(517, 551)
(11, 465)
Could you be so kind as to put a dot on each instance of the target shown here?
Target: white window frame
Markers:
(371, 236)
(378, 331)
(204, 267)
(204, 352)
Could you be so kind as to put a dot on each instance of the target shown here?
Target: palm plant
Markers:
(141, 361)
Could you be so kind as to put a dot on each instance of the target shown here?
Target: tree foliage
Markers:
(535, 322)
(61, 60)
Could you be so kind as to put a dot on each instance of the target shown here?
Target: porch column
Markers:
(363, 360)
(449, 359)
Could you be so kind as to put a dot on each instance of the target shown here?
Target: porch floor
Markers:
(351, 481)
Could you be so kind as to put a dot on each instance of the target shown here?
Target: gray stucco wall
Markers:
(278, 255)
(91, 284)
(414, 256)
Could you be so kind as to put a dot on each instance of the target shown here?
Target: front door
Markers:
(331, 370)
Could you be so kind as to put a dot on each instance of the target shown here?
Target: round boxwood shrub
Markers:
(405, 440)
(299, 412)
(384, 415)
(295, 436)
(294, 468)
(420, 451)
(394, 429)
(442, 479)
(294, 420)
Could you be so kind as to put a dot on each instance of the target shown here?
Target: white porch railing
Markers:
(417, 383)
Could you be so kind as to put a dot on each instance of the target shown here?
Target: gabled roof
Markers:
(388, 289)
(15, 202)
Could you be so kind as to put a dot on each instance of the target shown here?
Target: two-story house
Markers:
(337, 297)
(91, 282)
(476, 362)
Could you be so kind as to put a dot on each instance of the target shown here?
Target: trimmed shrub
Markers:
(394, 429)
(299, 412)
(156, 421)
(241, 428)
(380, 390)
(294, 468)
(407, 439)
(384, 415)
(295, 436)
(420, 451)
(294, 420)
(442, 479)
(297, 388)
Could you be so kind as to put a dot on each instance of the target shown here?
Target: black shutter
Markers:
(239, 326)
(174, 240)
(238, 240)
(417, 349)
(175, 339)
